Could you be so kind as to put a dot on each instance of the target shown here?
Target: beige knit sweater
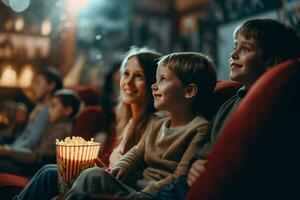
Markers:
(164, 153)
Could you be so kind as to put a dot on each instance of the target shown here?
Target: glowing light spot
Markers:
(26, 77)
(98, 37)
(8, 77)
(46, 27)
(19, 5)
(19, 24)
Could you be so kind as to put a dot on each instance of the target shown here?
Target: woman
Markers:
(133, 112)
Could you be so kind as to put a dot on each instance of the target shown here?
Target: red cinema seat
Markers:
(89, 122)
(11, 185)
(87, 94)
(223, 91)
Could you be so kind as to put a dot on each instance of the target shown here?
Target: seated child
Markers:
(184, 84)
(63, 109)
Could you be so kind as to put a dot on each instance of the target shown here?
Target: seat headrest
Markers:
(223, 91)
(87, 94)
(90, 121)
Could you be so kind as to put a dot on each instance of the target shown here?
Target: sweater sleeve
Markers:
(134, 158)
(199, 139)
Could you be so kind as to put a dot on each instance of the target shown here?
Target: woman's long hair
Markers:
(148, 61)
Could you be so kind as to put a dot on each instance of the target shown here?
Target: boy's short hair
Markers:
(275, 38)
(69, 98)
(52, 76)
(197, 68)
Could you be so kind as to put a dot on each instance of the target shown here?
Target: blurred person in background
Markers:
(45, 83)
(16, 114)
(64, 107)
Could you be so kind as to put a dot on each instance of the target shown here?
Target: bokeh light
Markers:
(46, 27)
(26, 77)
(8, 77)
(19, 5)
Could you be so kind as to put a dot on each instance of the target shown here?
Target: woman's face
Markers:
(133, 83)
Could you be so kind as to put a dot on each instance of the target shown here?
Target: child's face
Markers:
(168, 91)
(41, 87)
(246, 61)
(133, 83)
(56, 110)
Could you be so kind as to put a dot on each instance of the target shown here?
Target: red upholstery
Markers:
(87, 94)
(11, 179)
(223, 91)
(89, 122)
(256, 156)
(10, 185)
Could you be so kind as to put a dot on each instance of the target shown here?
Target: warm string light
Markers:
(19, 24)
(46, 27)
(26, 77)
(8, 77)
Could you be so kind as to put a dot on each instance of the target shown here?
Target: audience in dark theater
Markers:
(83, 117)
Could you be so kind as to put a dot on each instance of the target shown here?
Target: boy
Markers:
(259, 44)
(63, 108)
(168, 145)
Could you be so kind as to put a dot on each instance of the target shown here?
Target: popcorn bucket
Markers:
(73, 156)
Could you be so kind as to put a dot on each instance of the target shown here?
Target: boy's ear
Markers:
(190, 90)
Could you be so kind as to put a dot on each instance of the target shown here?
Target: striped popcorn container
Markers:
(72, 158)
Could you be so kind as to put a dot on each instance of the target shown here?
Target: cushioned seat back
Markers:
(257, 154)
(223, 91)
(90, 121)
(11, 184)
(87, 94)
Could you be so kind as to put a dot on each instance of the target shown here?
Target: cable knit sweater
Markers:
(164, 153)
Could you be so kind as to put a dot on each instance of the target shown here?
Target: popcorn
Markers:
(74, 155)
(75, 141)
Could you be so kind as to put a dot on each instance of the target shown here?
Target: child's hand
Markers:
(101, 164)
(5, 150)
(196, 170)
(119, 173)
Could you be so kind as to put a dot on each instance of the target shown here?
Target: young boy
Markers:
(63, 108)
(259, 44)
(165, 151)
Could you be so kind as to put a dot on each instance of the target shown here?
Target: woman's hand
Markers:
(119, 173)
(100, 163)
(196, 170)
(5, 150)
